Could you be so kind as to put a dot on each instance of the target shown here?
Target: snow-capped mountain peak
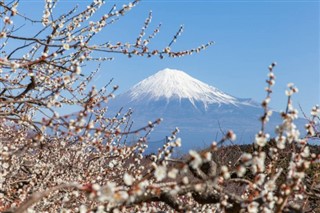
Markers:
(201, 112)
(175, 84)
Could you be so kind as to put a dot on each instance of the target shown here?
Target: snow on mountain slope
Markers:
(202, 112)
(170, 84)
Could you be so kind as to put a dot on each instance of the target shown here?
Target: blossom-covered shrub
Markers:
(81, 162)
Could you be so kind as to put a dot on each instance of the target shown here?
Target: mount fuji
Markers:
(202, 112)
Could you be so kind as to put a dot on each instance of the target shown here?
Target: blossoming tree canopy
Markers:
(81, 162)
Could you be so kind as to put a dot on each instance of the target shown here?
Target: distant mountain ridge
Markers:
(200, 111)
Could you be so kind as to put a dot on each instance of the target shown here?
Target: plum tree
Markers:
(78, 162)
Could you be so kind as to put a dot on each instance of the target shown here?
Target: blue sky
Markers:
(249, 35)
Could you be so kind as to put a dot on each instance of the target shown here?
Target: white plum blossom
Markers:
(185, 180)
(258, 163)
(173, 173)
(253, 207)
(231, 135)
(83, 209)
(178, 142)
(281, 142)
(315, 110)
(196, 159)
(160, 173)
(225, 172)
(241, 170)
(107, 192)
(261, 139)
(66, 46)
(270, 186)
(306, 152)
(128, 179)
(207, 157)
